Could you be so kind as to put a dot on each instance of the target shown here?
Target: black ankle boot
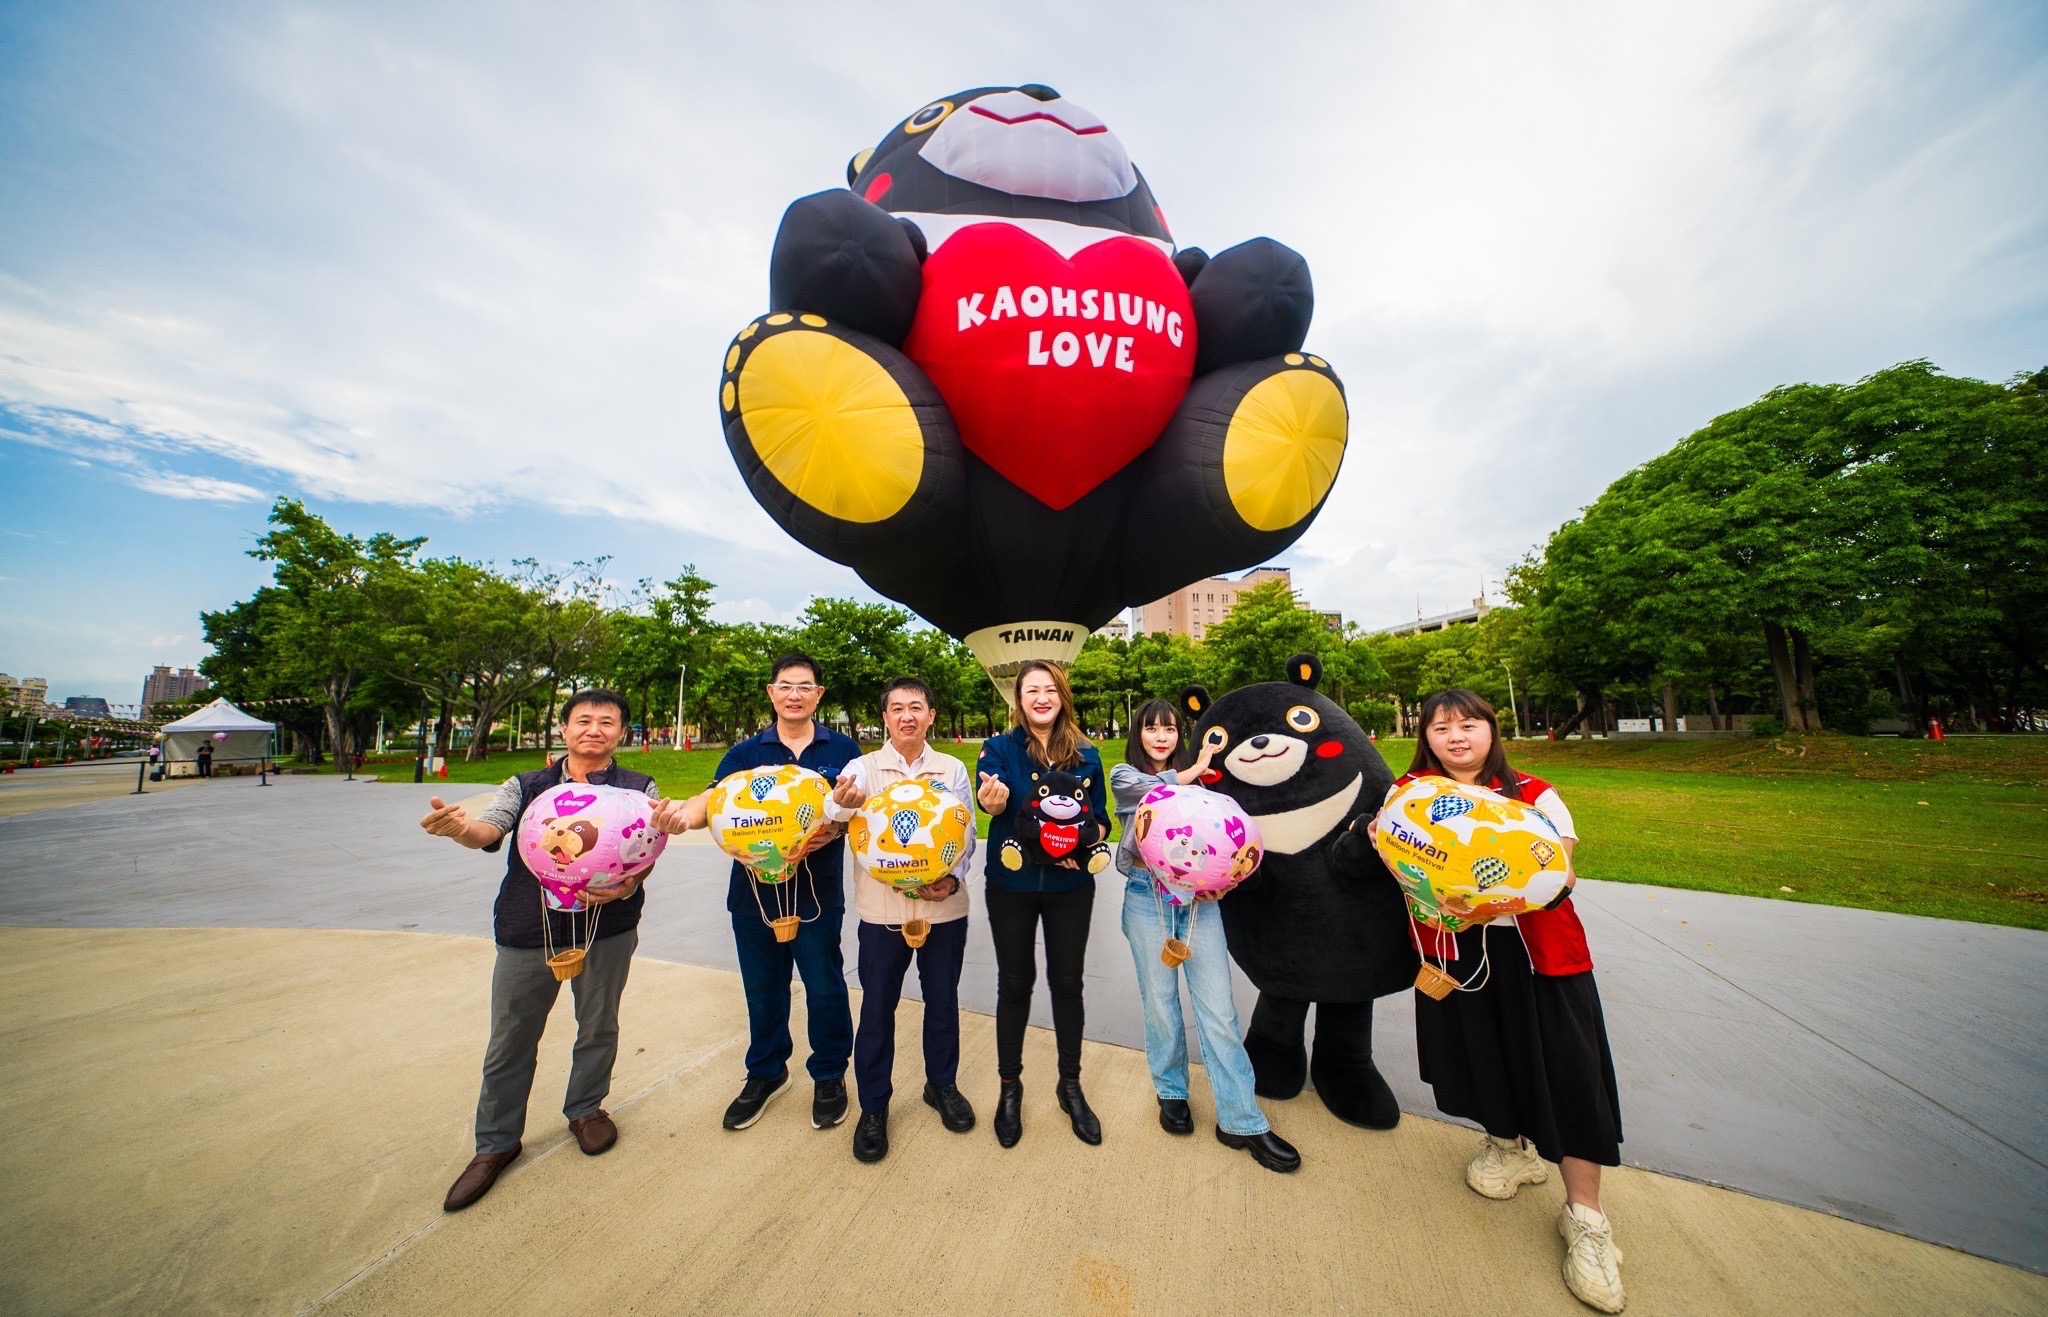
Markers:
(1009, 1121)
(1086, 1127)
(1174, 1116)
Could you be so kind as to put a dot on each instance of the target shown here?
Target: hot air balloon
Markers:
(988, 341)
(1195, 843)
(760, 817)
(577, 837)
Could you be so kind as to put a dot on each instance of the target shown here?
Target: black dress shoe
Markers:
(828, 1104)
(1174, 1116)
(955, 1113)
(871, 1136)
(1009, 1121)
(1268, 1150)
(755, 1095)
(1086, 1127)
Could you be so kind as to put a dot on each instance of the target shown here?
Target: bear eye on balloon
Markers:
(928, 118)
(1303, 719)
(1216, 738)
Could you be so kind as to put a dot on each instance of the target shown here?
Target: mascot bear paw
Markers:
(1012, 856)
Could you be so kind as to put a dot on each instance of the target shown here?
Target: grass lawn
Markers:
(1956, 829)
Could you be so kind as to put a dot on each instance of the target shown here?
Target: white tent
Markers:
(236, 738)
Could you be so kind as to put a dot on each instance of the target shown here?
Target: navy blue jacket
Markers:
(824, 869)
(1009, 757)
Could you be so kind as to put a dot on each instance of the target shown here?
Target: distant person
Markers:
(818, 889)
(1060, 898)
(523, 988)
(1521, 1048)
(907, 713)
(206, 759)
(1153, 757)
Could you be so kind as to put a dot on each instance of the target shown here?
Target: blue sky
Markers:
(466, 271)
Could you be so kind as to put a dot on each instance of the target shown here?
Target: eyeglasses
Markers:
(797, 688)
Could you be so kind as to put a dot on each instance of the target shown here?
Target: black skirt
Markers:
(1525, 1055)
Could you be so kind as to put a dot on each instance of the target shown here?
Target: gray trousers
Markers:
(523, 991)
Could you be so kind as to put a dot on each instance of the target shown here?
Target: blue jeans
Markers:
(765, 966)
(1208, 976)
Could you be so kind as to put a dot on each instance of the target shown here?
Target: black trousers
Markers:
(884, 959)
(1013, 921)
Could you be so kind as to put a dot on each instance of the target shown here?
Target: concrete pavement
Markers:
(1889, 1069)
(264, 1120)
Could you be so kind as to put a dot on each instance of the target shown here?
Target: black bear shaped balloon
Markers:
(985, 351)
(1322, 923)
(1058, 824)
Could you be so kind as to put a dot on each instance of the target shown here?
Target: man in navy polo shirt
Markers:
(794, 689)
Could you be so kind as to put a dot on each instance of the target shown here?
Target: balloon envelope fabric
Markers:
(759, 815)
(989, 339)
(1463, 853)
(910, 834)
(1195, 842)
(577, 836)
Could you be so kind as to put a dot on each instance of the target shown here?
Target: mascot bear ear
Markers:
(1305, 670)
(857, 163)
(1195, 700)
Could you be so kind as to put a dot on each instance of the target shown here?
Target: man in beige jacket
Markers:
(885, 954)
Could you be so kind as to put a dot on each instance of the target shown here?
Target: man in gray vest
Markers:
(523, 988)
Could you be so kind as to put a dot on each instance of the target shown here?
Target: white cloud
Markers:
(467, 259)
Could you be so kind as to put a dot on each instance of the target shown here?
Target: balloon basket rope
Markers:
(1175, 953)
(785, 927)
(566, 964)
(915, 931)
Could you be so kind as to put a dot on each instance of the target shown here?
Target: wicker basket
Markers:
(785, 927)
(566, 964)
(1175, 953)
(915, 931)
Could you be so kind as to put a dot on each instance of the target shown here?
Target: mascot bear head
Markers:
(1298, 763)
(1022, 152)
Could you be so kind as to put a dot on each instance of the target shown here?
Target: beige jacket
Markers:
(874, 901)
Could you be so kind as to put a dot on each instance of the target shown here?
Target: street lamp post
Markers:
(1511, 698)
(681, 675)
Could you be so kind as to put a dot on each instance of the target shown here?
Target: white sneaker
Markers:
(1503, 1167)
(1592, 1264)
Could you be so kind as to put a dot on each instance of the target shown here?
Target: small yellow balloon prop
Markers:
(1464, 854)
(910, 834)
(759, 815)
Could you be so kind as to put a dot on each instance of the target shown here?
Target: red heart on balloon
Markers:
(1044, 386)
(1059, 839)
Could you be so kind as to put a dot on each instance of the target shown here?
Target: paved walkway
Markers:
(1889, 1069)
(263, 1120)
(30, 789)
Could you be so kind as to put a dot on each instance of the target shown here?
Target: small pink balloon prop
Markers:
(576, 837)
(1195, 842)
(220, 736)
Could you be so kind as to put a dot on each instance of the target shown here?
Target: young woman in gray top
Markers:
(1154, 756)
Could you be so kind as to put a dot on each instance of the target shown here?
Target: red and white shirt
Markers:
(1555, 938)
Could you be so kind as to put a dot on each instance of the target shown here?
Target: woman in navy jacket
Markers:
(1044, 736)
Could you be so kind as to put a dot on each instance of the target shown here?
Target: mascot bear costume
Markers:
(1322, 921)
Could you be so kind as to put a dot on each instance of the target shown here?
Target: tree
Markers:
(861, 647)
(320, 627)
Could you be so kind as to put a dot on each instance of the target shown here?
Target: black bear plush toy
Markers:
(1058, 824)
(1322, 922)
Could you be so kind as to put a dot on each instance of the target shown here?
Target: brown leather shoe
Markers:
(476, 1179)
(594, 1133)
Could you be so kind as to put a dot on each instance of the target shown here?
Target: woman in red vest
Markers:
(1521, 1046)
